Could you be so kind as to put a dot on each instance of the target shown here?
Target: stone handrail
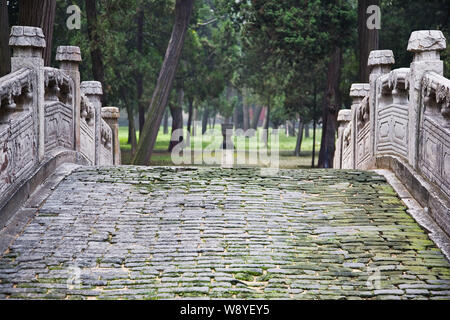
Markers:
(13, 86)
(400, 121)
(47, 117)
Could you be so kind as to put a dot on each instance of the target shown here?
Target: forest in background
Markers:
(296, 59)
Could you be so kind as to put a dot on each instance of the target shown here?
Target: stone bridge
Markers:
(75, 225)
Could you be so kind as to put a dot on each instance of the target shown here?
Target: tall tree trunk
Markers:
(330, 108)
(139, 75)
(95, 45)
(298, 146)
(238, 116)
(39, 14)
(131, 129)
(314, 125)
(191, 110)
(183, 10)
(205, 118)
(313, 164)
(131, 124)
(265, 133)
(177, 120)
(246, 114)
(5, 53)
(368, 39)
(256, 115)
(194, 122)
(166, 122)
(306, 125)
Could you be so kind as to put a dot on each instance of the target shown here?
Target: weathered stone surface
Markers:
(111, 116)
(427, 40)
(68, 53)
(220, 233)
(27, 37)
(110, 113)
(359, 90)
(345, 116)
(91, 88)
(381, 57)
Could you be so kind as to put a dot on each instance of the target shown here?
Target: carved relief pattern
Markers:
(363, 138)
(392, 128)
(59, 110)
(433, 83)
(106, 152)
(87, 129)
(347, 148)
(14, 85)
(18, 150)
(434, 151)
(58, 125)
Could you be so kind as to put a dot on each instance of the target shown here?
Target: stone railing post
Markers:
(70, 58)
(358, 92)
(28, 44)
(380, 62)
(111, 116)
(426, 46)
(344, 118)
(93, 91)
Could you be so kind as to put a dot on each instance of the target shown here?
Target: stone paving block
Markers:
(165, 233)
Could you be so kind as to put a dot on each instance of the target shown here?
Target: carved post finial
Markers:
(69, 57)
(27, 42)
(380, 63)
(359, 91)
(426, 45)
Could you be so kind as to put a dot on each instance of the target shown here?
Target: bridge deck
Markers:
(131, 232)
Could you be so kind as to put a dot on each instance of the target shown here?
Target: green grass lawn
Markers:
(161, 157)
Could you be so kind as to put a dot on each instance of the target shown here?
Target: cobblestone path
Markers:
(152, 233)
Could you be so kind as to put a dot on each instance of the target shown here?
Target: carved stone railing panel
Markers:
(15, 93)
(93, 91)
(18, 150)
(364, 139)
(344, 118)
(392, 114)
(59, 110)
(348, 156)
(106, 146)
(434, 132)
(87, 129)
(111, 116)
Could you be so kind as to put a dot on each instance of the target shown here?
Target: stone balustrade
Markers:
(47, 117)
(400, 121)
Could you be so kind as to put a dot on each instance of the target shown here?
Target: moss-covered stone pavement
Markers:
(155, 233)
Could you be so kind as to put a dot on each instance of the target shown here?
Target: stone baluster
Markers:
(111, 116)
(93, 91)
(70, 58)
(344, 118)
(28, 44)
(426, 46)
(380, 62)
(358, 92)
